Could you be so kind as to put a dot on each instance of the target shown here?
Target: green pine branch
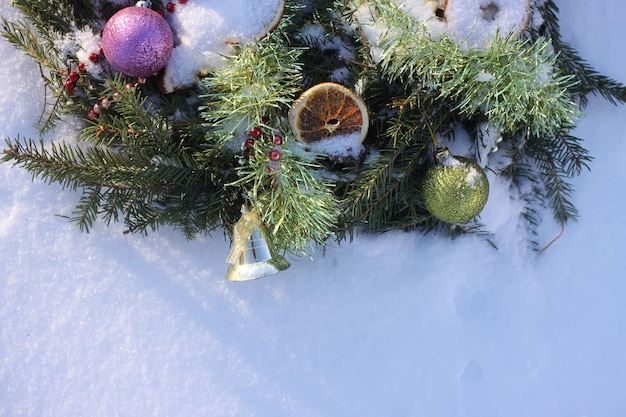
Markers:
(297, 205)
(559, 158)
(43, 51)
(73, 167)
(58, 16)
(385, 189)
(569, 61)
(385, 193)
(512, 82)
(260, 82)
(118, 184)
(130, 122)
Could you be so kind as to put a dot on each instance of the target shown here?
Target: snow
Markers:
(206, 31)
(484, 77)
(314, 36)
(473, 23)
(339, 147)
(398, 324)
(87, 43)
(489, 137)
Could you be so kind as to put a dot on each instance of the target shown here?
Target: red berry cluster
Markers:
(256, 133)
(275, 154)
(71, 81)
(74, 76)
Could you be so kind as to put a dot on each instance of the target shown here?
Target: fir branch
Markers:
(43, 51)
(21, 35)
(511, 82)
(115, 182)
(130, 123)
(57, 16)
(328, 44)
(73, 167)
(387, 189)
(380, 192)
(259, 82)
(558, 190)
(199, 208)
(299, 208)
(588, 80)
(87, 209)
(386, 193)
(559, 158)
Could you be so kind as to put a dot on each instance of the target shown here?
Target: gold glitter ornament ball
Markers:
(455, 189)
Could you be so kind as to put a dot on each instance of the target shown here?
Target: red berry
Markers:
(73, 77)
(182, 1)
(161, 12)
(278, 140)
(265, 120)
(82, 67)
(94, 57)
(70, 86)
(249, 143)
(275, 155)
(256, 132)
(171, 7)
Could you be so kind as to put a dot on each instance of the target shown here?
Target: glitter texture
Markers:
(456, 190)
(137, 41)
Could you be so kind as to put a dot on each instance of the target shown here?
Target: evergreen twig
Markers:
(569, 61)
(260, 82)
(42, 51)
(511, 82)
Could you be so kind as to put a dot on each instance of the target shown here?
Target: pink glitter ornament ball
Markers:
(137, 41)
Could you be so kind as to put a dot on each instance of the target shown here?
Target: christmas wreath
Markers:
(289, 123)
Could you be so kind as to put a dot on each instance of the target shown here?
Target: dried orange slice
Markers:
(326, 110)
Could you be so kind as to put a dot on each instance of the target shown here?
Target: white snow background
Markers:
(399, 324)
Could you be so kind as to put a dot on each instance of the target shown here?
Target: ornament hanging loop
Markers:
(441, 154)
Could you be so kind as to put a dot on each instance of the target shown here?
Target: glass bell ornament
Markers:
(252, 255)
